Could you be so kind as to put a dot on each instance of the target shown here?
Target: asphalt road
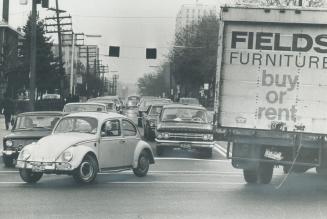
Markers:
(180, 185)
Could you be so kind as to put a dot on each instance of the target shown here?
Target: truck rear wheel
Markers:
(265, 172)
(250, 176)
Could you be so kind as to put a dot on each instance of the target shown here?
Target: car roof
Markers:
(188, 98)
(42, 113)
(98, 115)
(86, 103)
(183, 106)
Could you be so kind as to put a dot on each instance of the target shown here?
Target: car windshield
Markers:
(155, 110)
(184, 115)
(77, 124)
(189, 101)
(29, 122)
(84, 108)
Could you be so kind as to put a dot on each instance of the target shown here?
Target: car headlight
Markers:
(9, 143)
(166, 135)
(67, 156)
(159, 135)
(25, 154)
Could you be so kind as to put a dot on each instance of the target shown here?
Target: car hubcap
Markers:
(143, 163)
(86, 170)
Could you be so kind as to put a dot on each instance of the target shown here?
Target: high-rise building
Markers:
(192, 14)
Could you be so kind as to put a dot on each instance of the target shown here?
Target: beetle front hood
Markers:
(50, 147)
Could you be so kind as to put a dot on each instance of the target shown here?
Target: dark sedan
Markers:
(28, 127)
(184, 127)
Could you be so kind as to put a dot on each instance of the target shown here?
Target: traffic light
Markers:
(151, 53)
(114, 51)
(45, 3)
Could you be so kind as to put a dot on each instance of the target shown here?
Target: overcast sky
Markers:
(131, 24)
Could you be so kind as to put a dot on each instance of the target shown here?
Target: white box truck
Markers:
(271, 89)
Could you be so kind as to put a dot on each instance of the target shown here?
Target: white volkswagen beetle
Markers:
(83, 144)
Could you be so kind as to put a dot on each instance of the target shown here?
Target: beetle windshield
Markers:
(77, 124)
(28, 122)
(184, 115)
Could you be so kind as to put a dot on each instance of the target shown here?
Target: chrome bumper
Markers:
(10, 152)
(185, 144)
(44, 167)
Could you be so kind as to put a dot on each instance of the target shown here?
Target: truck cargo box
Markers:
(272, 69)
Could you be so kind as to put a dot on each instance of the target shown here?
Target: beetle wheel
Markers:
(142, 165)
(28, 176)
(87, 170)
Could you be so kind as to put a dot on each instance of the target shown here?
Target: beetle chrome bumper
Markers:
(45, 167)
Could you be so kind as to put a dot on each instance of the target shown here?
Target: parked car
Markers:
(150, 120)
(189, 101)
(83, 144)
(27, 128)
(85, 107)
(185, 127)
(144, 105)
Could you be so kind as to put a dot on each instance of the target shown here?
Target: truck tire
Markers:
(265, 172)
(250, 176)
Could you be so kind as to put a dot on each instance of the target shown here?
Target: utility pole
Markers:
(59, 26)
(60, 53)
(33, 56)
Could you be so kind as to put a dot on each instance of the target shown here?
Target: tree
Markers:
(155, 84)
(47, 66)
(194, 56)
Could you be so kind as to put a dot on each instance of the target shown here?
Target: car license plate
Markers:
(273, 155)
(185, 146)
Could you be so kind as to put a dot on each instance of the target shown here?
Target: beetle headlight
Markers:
(9, 143)
(67, 156)
(25, 154)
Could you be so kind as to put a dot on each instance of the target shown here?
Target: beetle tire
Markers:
(142, 165)
(86, 171)
(28, 176)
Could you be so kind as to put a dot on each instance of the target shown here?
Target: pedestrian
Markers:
(7, 109)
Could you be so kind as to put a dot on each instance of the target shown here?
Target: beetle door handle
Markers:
(122, 141)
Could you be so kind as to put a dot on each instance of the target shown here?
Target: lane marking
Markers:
(178, 182)
(221, 148)
(219, 151)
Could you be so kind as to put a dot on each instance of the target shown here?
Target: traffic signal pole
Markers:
(33, 57)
